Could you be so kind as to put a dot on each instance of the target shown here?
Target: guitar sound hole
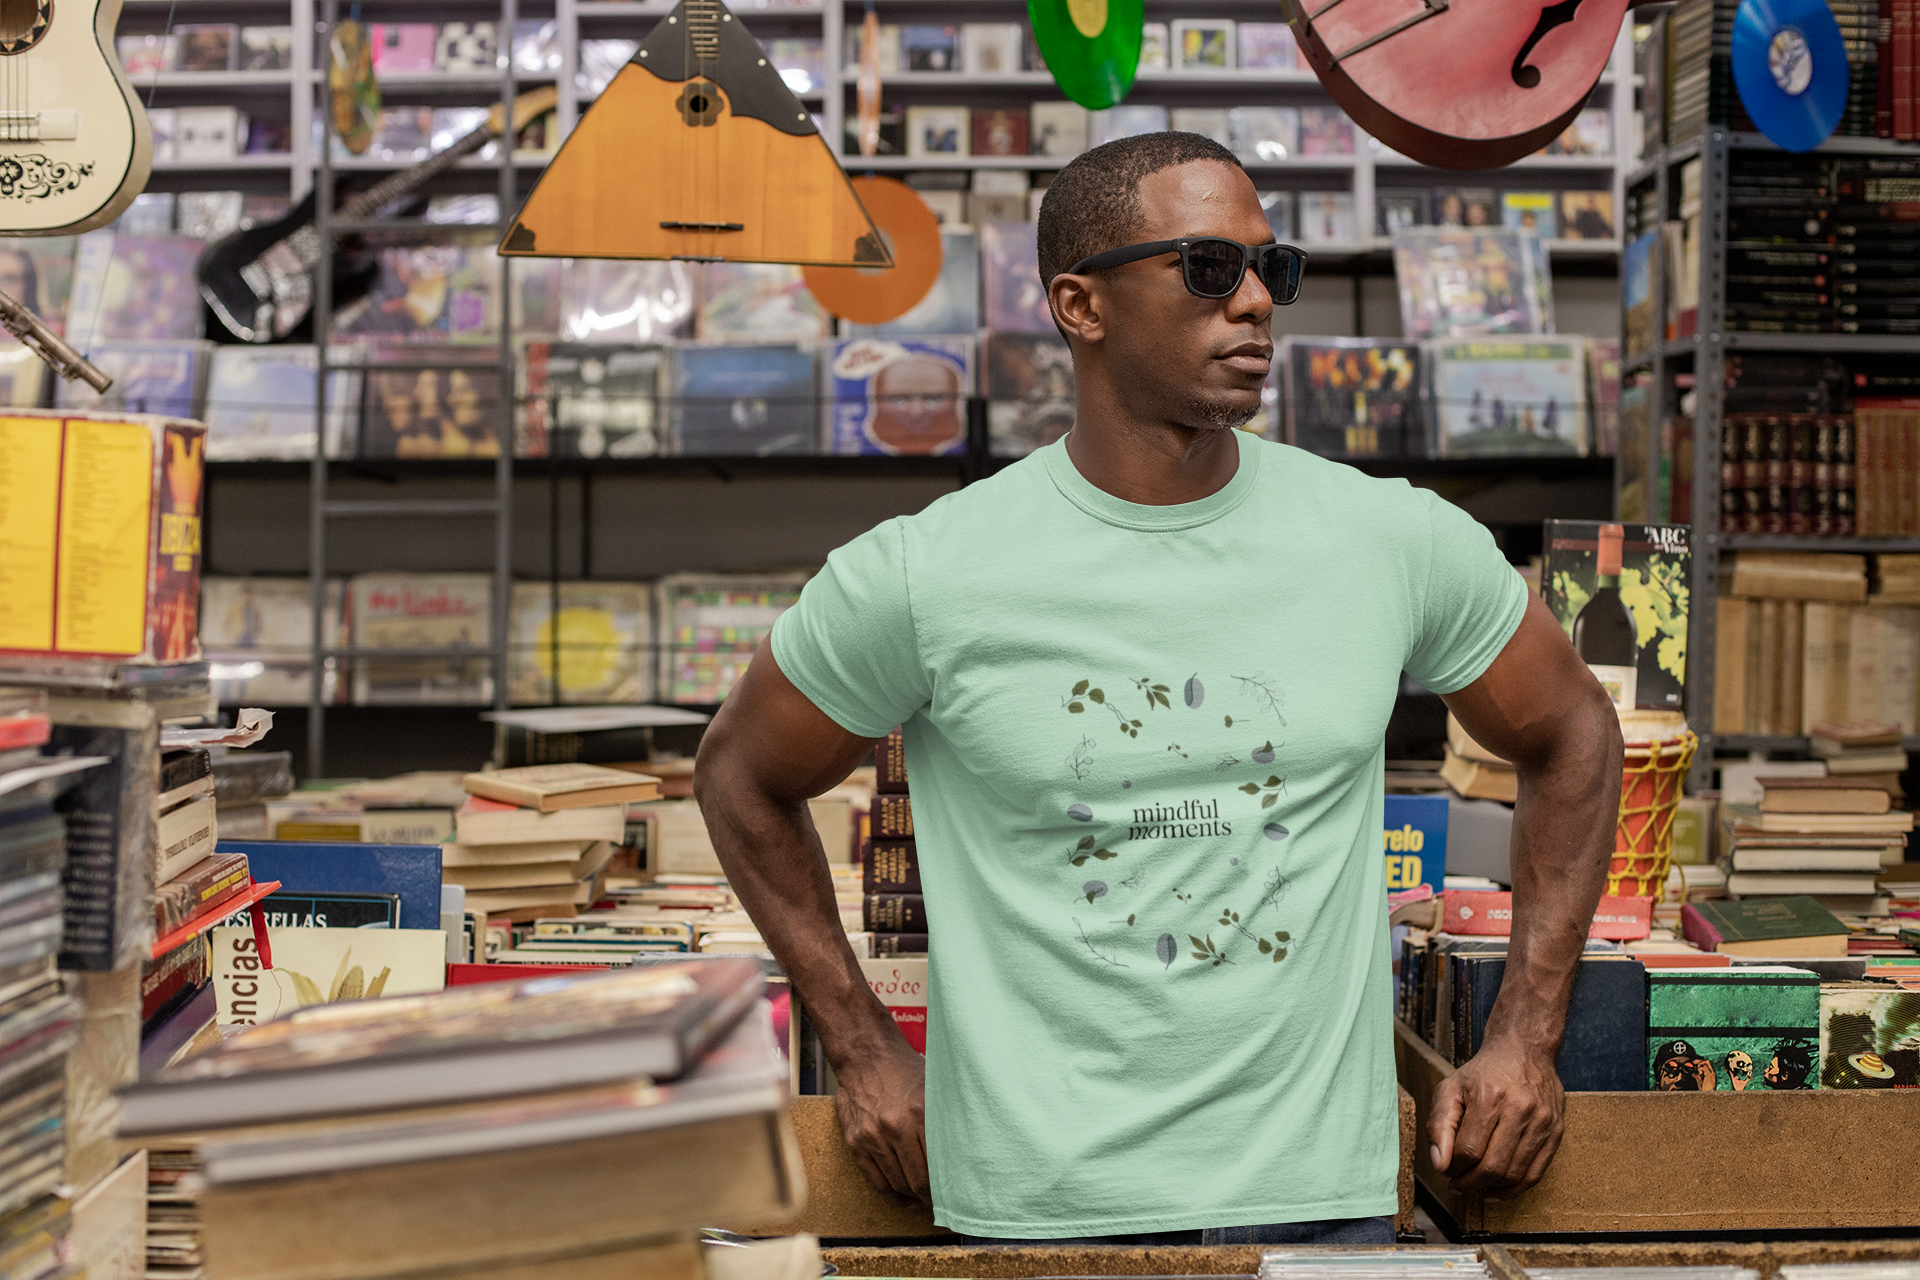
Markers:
(18, 18)
(697, 104)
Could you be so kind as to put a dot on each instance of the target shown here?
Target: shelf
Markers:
(810, 465)
(1576, 164)
(855, 164)
(1781, 742)
(616, 9)
(262, 160)
(521, 160)
(456, 81)
(214, 80)
(1792, 542)
(1835, 343)
(1041, 79)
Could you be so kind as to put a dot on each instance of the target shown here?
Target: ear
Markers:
(1078, 304)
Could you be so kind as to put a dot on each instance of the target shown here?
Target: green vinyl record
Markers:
(1092, 47)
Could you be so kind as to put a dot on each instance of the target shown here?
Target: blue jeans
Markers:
(1327, 1231)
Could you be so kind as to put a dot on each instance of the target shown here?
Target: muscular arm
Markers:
(768, 752)
(1497, 1120)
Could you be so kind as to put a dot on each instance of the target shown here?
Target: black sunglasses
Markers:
(1213, 267)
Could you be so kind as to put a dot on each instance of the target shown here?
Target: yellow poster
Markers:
(29, 501)
(106, 494)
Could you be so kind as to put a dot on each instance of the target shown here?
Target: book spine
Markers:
(178, 768)
(1695, 928)
(1822, 484)
(110, 843)
(1730, 665)
(1731, 476)
(1753, 473)
(1903, 69)
(1776, 474)
(163, 979)
(890, 764)
(899, 944)
(613, 746)
(892, 818)
(895, 913)
(1846, 438)
(1792, 685)
(1800, 504)
(1883, 81)
(890, 866)
(206, 884)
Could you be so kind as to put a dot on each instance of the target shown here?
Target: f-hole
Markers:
(1554, 15)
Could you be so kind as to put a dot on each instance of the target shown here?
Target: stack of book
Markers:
(1869, 752)
(37, 1020)
(243, 783)
(582, 1127)
(1796, 928)
(1474, 771)
(535, 841)
(895, 909)
(176, 992)
(1827, 837)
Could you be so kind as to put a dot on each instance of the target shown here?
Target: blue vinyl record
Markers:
(1791, 70)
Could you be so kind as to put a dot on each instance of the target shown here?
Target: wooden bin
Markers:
(1675, 1164)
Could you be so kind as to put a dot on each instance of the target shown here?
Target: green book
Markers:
(1751, 923)
(1755, 1028)
(1869, 1036)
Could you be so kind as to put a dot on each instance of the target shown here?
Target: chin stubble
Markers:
(1212, 413)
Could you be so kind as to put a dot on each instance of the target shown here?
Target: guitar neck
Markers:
(408, 180)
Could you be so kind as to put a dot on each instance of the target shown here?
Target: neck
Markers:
(1143, 459)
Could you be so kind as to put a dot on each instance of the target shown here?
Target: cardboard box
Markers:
(100, 536)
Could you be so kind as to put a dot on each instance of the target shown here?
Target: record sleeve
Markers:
(1029, 387)
(752, 401)
(1279, 208)
(999, 132)
(1465, 207)
(1590, 134)
(1327, 217)
(422, 611)
(1531, 211)
(428, 293)
(1267, 46)
(266, 48)
(1125, 122)
(402, 47)
(1010, 263)
(1264, 135)
(1397, 209)
(261, 403)
(258, 638)
(1203, 44)
(1325, 131)
(589, 400)
(613, 300)
(452, 412)
(901, 396)
(604, 643)
(767, 301)
(1353, 397)
(1507, 397)
(1057, 129)
(205, 46)
(601, 60)
(938, 132)
(23, 376)
(1586, 215)
(148, 377)
(1455, 282)
(952, 305)
(134, 287)
(1208, 122)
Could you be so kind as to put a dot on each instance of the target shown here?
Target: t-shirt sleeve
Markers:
(849, 644)
(1472, 604)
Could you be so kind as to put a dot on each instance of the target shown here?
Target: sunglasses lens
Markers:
(1280, 272)
(1213, 268)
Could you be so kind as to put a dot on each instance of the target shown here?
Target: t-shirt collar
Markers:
(1101, 505)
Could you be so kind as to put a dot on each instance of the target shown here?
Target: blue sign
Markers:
(1416, 842)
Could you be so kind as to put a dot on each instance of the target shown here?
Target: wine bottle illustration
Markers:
(1603, 633)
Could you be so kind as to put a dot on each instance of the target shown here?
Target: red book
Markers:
(1489, 913)
(197, 890)
(901, 984)
(161, 980)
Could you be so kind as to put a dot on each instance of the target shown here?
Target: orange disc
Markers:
(875, 295)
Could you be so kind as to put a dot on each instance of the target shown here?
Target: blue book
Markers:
(175, 1029)
(1416, 842)
(1605, 1047)
(320, 867)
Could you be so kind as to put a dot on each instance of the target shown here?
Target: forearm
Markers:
(777, 867)
(1563, 834)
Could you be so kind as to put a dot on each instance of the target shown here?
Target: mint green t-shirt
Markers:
(1146, 753)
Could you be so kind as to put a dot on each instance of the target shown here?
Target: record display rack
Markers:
(1704, 355)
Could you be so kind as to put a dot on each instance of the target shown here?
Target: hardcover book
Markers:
(905, 396)
(1603, 1045)
(889, 866)
(321, 966)
(313, 868)
(1353, 397)
(1746, 1028)
(1651, 589)
(1789, 927)
(551, 787)
(1029, 386)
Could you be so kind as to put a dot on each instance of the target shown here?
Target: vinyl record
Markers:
(1790, 67)
(875, 295)
(1092, 47)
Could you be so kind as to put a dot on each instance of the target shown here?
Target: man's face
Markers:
(1195, 362)
(916, 404)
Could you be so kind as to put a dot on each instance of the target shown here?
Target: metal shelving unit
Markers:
(1704, 355)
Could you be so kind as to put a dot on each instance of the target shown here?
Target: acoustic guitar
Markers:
(259, 281)
(697, 149)
(75, 147)
(1460, 84)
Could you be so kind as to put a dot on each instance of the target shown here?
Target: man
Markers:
(1184, 643)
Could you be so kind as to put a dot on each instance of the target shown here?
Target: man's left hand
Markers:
(1497, 1120)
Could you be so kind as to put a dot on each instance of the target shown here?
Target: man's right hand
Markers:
(883, 1112)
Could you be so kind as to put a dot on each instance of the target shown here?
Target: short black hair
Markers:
(1094, 203)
